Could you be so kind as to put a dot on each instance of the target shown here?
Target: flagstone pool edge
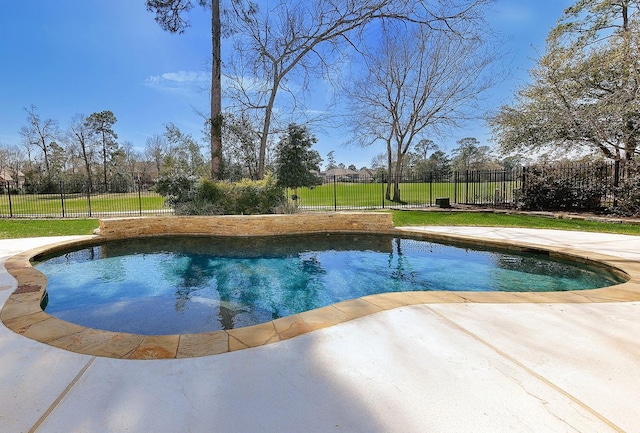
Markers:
(22, 312)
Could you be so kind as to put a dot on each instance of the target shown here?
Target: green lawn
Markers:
(488, 219)
(342, 194)
(20, 228)
(26, 228)
(52, 204)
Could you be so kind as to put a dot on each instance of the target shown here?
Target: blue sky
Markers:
(83, 56)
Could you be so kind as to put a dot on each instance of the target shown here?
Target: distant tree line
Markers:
(87, 153)
(426, 158)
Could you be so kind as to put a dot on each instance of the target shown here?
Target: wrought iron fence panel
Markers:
(76, 200)
(578, 186)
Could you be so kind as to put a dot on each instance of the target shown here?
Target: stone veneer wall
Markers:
(247, 225)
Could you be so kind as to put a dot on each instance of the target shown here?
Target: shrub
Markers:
(271, 197)
(176, 189)
(564, 187)
(207, 197)
(628, 191)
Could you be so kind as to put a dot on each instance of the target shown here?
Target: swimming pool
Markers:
(177, 285)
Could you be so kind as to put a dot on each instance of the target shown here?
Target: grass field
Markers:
(26, 228)
(21, 228)
(78, 205)
(371, 195)
(486, 219)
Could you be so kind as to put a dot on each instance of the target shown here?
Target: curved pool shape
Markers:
(179, 285)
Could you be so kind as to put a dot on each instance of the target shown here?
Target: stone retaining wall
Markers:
(247, 225)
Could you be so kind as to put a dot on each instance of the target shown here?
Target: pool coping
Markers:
(22, 312)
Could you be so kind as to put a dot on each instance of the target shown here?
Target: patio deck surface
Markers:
(450, 367)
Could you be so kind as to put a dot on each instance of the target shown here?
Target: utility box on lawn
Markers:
(443, 202)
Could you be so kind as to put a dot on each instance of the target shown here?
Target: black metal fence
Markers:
(77, 200)
(495, 188)
(575, 187)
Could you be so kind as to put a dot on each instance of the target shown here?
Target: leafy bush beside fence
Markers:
(627, 190)
(205, 197)
(612, 187)
(583, 187)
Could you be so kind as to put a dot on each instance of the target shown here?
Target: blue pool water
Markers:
(174, 285)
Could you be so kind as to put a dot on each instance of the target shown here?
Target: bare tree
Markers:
(39, 133)
(420, 81)
(156, 149)
(132, 161)
(379, 161)
(279, 48)
(83, 139)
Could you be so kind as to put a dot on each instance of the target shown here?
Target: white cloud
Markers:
(189, 83)
(186, 76)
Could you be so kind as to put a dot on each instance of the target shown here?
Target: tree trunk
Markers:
(265, 130)
(45, 153)
(216, 93)
(396, 186)
(87, 166)
(389, 171)
(396, 176)
(46, 159)
(104, 160)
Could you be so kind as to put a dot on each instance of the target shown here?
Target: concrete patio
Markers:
(450, 367)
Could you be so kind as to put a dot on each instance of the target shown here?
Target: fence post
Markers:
(88, 198)
(62, 197)
(430, 188)
(335, 194)
(616, 181)
(455, 186)
(466, 189)
(140, 196)
(9, 196)
(504, 188)
(383, 191)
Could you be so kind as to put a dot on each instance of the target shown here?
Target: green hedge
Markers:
(206, 197)
(564, 187)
